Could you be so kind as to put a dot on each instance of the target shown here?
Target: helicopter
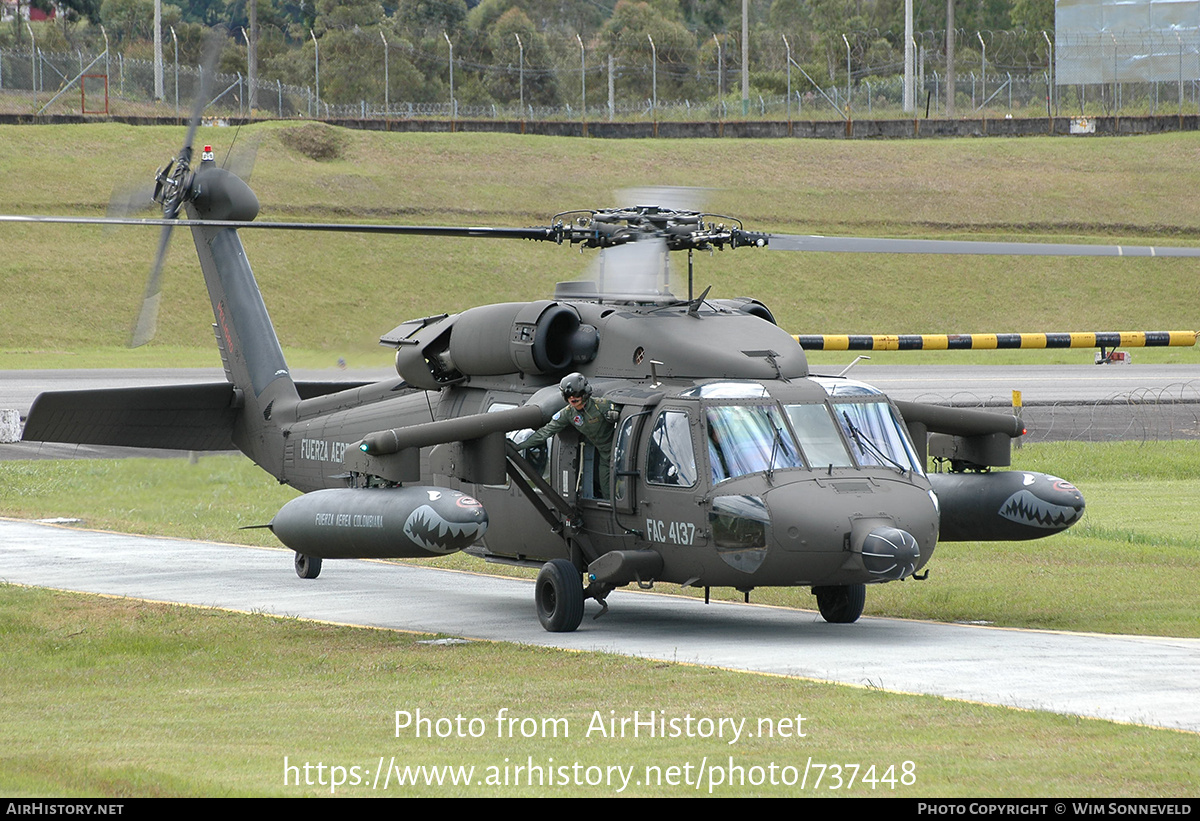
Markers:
(732, 464)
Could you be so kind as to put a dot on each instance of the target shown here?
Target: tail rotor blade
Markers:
(172, 190)
(147, 321)
(212, 51)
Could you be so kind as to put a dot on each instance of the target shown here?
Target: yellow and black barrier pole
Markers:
(976, 342)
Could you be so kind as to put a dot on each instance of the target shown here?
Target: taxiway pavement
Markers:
(1141, 680)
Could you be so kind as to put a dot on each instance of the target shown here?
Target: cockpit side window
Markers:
(670, 457)
(876, 436)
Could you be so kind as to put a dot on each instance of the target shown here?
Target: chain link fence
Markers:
(997, 74)
(1140, 415)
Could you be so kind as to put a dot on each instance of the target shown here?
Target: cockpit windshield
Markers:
(748, 439)
(819, 437)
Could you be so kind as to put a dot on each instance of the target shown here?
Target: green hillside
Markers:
(76, 289)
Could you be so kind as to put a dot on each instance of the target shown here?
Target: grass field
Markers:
(112, 697)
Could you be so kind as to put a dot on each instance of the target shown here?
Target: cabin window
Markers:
(739, 522)
(749, 439)
(670, 457)
(621, 463)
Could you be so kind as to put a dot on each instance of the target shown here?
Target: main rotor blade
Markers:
(130, 199)
(779, 242)
(360, 228)
(871, 245)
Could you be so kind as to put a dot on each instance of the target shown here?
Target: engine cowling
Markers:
(544, 337)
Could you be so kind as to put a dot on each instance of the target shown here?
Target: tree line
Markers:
(546, 52)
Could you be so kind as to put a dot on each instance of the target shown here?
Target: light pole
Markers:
(720, 71)
(246, 37)
(386, 101)
(158, 73)
(1114, 91)
(1049, 74)
(317, 69)
(788, 47)
(106, 69)
(983, 70)
(1180, 83)
(252, 58)
(653, 76)
(32, 62)
(745, 58)
(453, 106)
(950, 59)
(847, 42)
(175, 40)
(582, 81)
(521, 71)
(909, 102)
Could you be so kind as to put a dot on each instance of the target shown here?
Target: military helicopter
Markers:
(732, 464)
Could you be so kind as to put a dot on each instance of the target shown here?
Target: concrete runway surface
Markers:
(1148, 681)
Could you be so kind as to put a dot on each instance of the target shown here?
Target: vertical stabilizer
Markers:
(251, 353)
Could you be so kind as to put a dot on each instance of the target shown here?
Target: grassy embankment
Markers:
(72, 292)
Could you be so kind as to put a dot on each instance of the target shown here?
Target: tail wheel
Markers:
(308, 567)
(559, 596)
(841, 605)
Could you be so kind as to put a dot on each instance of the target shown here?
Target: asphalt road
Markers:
(1150, 681)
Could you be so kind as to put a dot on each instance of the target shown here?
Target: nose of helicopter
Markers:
(869, 529)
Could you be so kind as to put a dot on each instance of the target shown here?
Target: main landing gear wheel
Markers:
(841, 605)
(559, 596)
(308, 567)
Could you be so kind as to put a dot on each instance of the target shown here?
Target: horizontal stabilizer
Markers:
(313, 389)
(179, 417)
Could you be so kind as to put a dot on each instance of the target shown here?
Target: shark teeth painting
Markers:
(430, 529)
(1028, 508)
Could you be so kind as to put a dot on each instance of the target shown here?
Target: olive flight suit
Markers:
(593, 422)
